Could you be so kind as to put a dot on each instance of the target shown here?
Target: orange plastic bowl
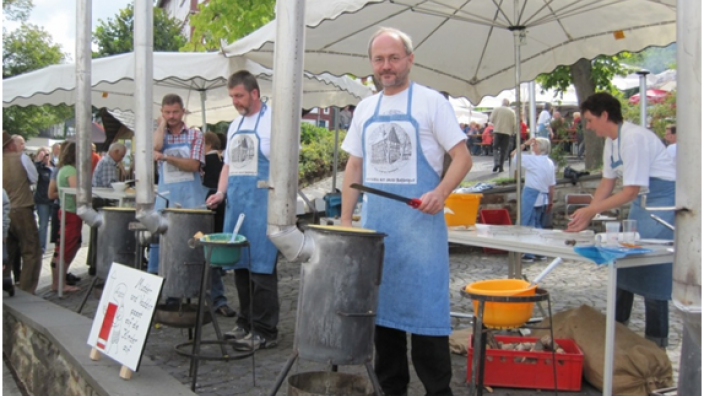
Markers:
(501, 315)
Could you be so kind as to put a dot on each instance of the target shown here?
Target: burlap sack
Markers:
(459, 340)
(640, 366)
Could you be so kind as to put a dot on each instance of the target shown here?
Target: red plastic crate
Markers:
(506, 368)
(495, 217)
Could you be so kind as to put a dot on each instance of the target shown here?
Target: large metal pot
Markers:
(338, 295)
(180, 265)
(116, 243)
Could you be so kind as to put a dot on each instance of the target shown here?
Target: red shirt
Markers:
(94, 160)
(524, 131)
(487, 136)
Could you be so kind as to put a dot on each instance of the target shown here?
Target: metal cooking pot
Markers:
(180, 265)
(339, 290)
(117, 243)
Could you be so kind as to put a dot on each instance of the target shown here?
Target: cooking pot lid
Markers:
(337, 228)
(118, 209)
(188, 211)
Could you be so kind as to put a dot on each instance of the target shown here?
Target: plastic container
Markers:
(333, 204)
(464, 207)
(495, 217)
(225, 255)
(502, 315)
(532, 370)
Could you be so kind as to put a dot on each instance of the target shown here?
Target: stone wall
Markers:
(46, 346)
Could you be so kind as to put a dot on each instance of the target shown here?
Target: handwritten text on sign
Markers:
(122, 320)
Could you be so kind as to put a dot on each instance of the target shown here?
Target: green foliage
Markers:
(26, 49)
(317, 156)
(311, 133)
(656, 59)
(17, 10)
(604, 69)
(227, 20)
(659, 114)
(116, 35)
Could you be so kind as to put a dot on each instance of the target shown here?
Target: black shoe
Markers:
(225, 310)
(72, 277)
(501, 169)
(495, 168)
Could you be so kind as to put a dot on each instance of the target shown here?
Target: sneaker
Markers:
(253, 343)
(541, 258)
(527, 259)
(236, 333)
(226, 311)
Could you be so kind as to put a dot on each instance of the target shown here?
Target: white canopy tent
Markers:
(199, 78)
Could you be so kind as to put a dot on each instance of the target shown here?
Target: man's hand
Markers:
(432, 202)
(581, 219)
(214, 200)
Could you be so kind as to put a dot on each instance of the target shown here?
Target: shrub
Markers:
(318, 153)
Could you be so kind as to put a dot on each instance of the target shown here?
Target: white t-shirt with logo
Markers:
(263, 130)
(643, 155)
(439, 130)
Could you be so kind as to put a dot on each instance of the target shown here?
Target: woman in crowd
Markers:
(66, 177)
(41, 197)
(538, 192)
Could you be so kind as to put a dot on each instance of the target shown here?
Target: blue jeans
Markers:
(217, 288)
(44, 214)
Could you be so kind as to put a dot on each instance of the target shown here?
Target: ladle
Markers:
(237, 228)
(549, 268)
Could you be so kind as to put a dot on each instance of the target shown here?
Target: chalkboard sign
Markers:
(122, 320)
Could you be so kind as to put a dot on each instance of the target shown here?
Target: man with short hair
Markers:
(396, 142)
(180, 154)
(543, 128)
(23, 237)
(671, 139)
(107, 170)
(246, 163)
(32, 173)
(55, 151)
(504, 120)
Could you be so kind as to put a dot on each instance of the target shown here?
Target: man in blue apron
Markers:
(246, 164)
(396, 142)
(639, 158)
(179, 151)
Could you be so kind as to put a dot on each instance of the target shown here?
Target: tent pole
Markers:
(643, 98)
(336, 120)
(515, 269)
(202, 110)
(531, 110)
(686, 271)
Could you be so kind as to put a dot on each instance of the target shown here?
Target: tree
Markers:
(588, 76)
(26, 49)
(116, 36)
(17, 10)
(227, 20)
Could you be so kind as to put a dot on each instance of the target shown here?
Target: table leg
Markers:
(515, 267)
(610, 330)
(62, 244)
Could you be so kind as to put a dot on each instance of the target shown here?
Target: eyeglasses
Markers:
(393, 59)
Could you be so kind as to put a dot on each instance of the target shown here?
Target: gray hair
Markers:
(506, 102)
(405, 39)
(116, 146)
(543, 145)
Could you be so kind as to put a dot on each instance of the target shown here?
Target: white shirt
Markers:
(540, 174)
(439, 130)
(672, 150)
(544, 118)
(32, 174)
(263, 130)
(643, 155)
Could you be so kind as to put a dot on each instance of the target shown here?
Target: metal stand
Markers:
(289, 363)
(197, 342)
(476, 386)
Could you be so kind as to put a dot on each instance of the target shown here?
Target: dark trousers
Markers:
(656, 316)
(430, 356)
(265, 302)
(23, 242)
(500, 148)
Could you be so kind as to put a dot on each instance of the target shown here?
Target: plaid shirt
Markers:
(192, 137)
(105, 172)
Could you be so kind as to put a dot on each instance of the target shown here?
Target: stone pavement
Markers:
(571, 284)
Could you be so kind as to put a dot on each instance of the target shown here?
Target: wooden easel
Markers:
(125, 372)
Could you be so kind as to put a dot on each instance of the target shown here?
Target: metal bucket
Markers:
(328, 383)
(180, 265)
(338, 295)
(116, 243)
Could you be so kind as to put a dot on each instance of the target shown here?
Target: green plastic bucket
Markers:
(225, 253)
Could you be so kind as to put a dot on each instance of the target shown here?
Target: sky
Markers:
(58, 18)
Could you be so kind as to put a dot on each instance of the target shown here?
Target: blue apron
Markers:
(529, 216)
(414, 292)
(190, 194)
(542, 131)
(247, 165)
(653, 281)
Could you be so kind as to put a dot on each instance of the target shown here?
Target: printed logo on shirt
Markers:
(390, 153)
(244, 154)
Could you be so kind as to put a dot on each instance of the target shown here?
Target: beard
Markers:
(243, 111)
(392, 79)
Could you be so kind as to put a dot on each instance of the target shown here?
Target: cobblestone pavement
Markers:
(571, 284)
